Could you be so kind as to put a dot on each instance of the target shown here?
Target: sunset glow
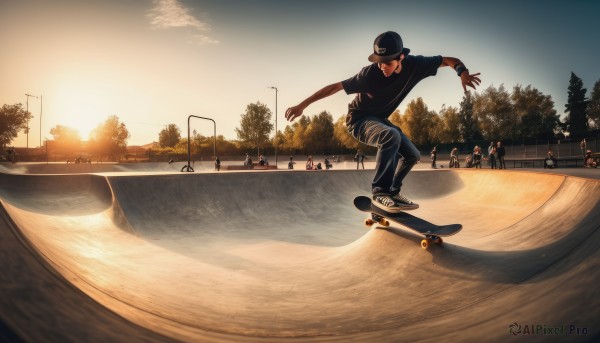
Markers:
(153, 63)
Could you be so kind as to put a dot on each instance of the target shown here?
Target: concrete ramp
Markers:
(275, 256)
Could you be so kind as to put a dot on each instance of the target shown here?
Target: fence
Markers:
(539, 149)
(514, 150)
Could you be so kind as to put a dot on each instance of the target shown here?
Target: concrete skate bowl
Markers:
(108, 167)
(284, 256)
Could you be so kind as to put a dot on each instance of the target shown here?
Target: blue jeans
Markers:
(396, 154)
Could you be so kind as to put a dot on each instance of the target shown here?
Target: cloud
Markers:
(169, 14)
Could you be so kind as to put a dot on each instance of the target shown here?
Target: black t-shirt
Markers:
(379, 96)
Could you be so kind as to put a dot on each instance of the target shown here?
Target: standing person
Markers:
(492, 155)
(327, 163)
(583, 146)
(217, 164)
(454, 158)
(291, 163)
(434, 157)
(360, 159)
(501, 153)
(380, 88)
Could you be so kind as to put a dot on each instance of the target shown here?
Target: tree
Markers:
(278, 141)
(225, 147)
(255, 126)
(109, 138)
(342, 136)
(319, 134)
(494, 114)
(576, 121)
(169, 136)
(448, 128)
(593, 109)
(300, 127)
(396, 118)
(288, 140)
(536, 113)
(418, 123)
(66, 140)
(468, 122)
(13, 119)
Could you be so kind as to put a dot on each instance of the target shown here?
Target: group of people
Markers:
(262, 161)
(10, 155)
(310, 164)
(79, 160)
(473, 160)
(590, 161)
(496, 153)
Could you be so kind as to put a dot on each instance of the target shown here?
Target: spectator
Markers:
(291, 163)
(328, 164)
(477, 157)
(434, 157)
(469, 160)
(590, 161)
(359, 158)
(501, 153)
(217, 164)
(248, 161)
(310, 164)
(492, 155)
(550, 161)
(262, 161)
(454, 158)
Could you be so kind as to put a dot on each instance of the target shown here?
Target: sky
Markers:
(154, 63)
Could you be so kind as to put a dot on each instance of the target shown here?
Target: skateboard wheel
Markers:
(425, 243)
(384, 222)
(369, 222)
(438, 240)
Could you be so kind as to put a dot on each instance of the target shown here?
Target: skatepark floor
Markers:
(284, 256)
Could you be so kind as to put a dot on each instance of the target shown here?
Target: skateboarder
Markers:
(434, 157)
(380, 88)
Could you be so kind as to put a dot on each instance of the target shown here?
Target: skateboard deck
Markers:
(433, 233)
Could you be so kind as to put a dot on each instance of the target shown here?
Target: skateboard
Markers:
(433, 233)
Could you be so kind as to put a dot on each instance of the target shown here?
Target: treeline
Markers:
(524, 114)
(521, 115)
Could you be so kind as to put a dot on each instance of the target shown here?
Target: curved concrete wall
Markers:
(259, 256)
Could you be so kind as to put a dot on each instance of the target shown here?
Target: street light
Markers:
(27, 128)
(41, 120)
(276, 91)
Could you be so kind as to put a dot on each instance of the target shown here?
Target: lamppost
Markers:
(41, 120)
(275, 141)
(27, 128)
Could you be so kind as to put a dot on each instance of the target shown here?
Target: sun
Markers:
(82, 118)
(80, 108)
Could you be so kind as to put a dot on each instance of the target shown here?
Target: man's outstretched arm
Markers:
(296, 111)
(466, 78)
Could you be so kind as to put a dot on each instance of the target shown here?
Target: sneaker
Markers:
(403, 203)
(386, 203)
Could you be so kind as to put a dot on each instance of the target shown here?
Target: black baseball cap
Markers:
(387, 47)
